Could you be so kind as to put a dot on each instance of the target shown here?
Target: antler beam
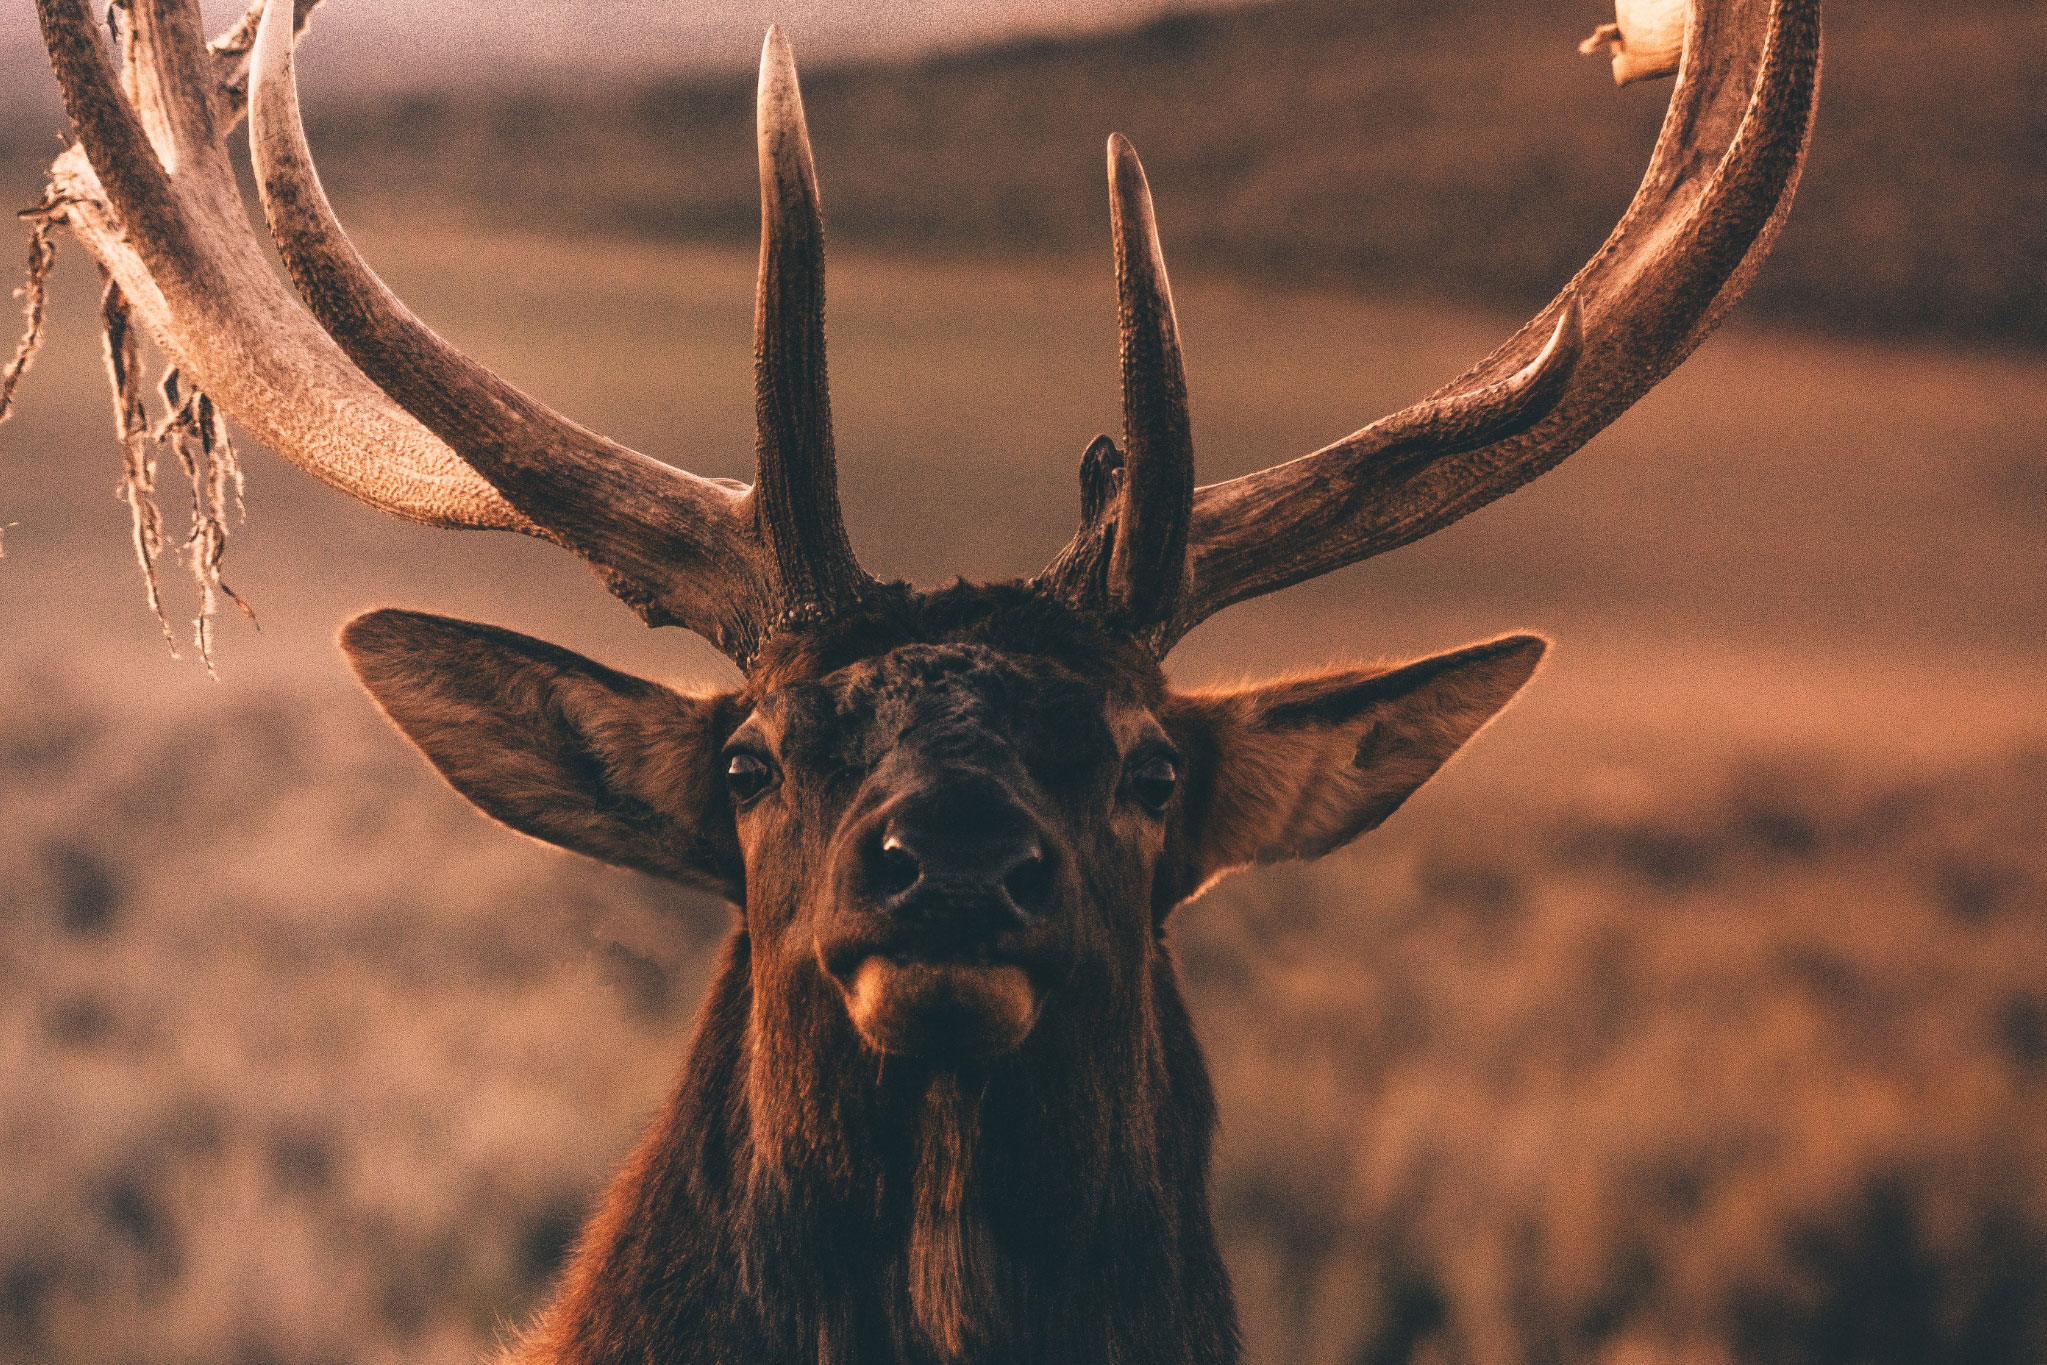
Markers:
(674, 545)
(366, 396)
(1719, 183)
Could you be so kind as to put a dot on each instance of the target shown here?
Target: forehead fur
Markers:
(1004, 619)
(955, 702)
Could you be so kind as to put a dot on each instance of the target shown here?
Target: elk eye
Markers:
(1152, 782)
(748, 775)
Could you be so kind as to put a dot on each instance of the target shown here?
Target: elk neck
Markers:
(820, 1203)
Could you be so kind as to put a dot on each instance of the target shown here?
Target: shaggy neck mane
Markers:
(802, 1199)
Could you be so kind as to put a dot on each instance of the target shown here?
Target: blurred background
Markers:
(1697, 1015)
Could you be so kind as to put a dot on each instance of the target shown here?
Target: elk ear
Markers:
(1295, 769)
(558, 747)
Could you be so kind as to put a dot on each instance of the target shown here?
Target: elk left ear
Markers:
(559, 747)
(1295, 769)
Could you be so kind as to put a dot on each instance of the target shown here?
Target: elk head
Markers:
(957, 820)
(940, 811)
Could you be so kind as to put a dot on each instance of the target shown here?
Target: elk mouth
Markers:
(946, 1002)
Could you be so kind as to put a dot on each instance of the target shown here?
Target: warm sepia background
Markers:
(1697, 1015)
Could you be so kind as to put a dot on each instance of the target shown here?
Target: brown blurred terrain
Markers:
(1698, 1015)
(1438, 149)
(1459, 150)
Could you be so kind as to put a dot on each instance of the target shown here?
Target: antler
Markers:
(419, 430)
(1718, 186)
(798, 494)
(423, 432)
(149, 191)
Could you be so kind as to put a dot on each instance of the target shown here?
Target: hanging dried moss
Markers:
(196, 431)
(35, 296)
(193, 427)
(138, 448)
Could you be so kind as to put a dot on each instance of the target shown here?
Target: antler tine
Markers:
(676, 547)
(1719, 183)
(1129, 561)
(179, 248)
(796, 499)
(166, 68)
(134, 178)
(1148, 564)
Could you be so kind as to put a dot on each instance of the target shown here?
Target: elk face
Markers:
(945, 834)
(972, 834)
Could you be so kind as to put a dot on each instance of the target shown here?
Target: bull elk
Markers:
(944, 1102)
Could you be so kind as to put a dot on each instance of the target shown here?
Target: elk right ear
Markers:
(558, 747)
(1294, 769)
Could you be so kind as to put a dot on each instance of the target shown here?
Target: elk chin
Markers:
(944, 1011)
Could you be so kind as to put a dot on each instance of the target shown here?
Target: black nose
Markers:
(960, 860)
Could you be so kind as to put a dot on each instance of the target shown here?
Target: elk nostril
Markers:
(896, 869)
(1029, 883)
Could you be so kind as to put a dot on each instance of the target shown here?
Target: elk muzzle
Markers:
(947, 893)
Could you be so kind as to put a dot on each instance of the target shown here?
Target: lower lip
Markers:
(956, 976)
(888, 998)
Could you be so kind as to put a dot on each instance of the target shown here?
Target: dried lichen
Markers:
(138, 450)
(195, 429)
(35, 296)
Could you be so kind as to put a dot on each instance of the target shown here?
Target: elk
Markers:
(944, 1102)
